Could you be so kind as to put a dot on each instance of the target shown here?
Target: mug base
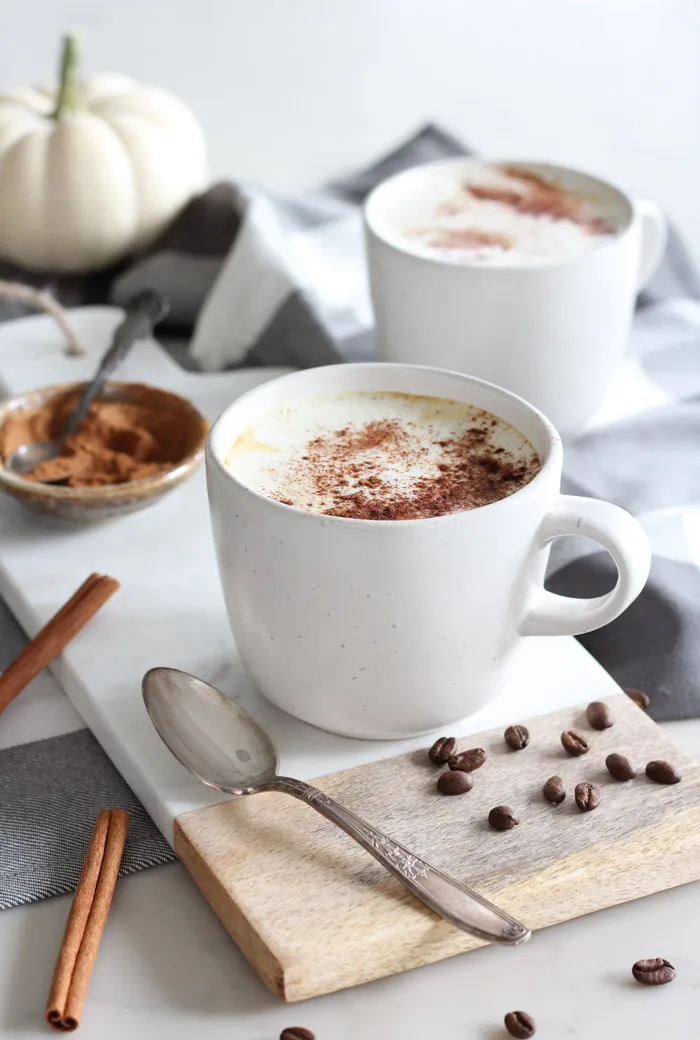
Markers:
(357, 733)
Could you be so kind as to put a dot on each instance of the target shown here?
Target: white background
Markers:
(291, 91)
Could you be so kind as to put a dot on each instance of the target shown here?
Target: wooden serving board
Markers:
(314, 913)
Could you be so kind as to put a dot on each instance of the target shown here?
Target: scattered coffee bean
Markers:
(639, 697)
(455, 782)
(587, 796)
(442, 749)
(663, 773)
(296, 1033)
(598, 715)
(554, 790)
(517, 737)
(502, 818)
(654, 972)
(620, 767)
(574, 744)
(520, 1025)
(468, 761)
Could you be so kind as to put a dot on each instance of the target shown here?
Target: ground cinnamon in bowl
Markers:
(124, 438)
(469, 475)
(137, 444)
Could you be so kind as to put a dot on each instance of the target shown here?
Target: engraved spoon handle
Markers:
(455, 902)
(143, 311)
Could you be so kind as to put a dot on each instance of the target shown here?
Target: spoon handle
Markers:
(455, 902)
(142, 312)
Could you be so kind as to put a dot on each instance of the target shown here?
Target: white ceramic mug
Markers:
(391, 628)
(551, 331)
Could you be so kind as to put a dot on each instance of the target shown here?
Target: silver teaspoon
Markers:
(225, 748)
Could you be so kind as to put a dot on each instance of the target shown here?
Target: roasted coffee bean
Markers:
(598, 715)
(587, 796)
(639, 697)
(502, 818)
(442, 749)
(297, 1033)
(517, 737)
(663, 773)
(620, 767)
(654, 972)
(455, 782)
(554, 790)
(468, 761)
(520, 1025)
(574, 744)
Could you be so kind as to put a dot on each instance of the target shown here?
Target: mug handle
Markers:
(621, 535)
(654, 239)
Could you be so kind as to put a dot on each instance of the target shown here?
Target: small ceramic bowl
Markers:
(89, 504)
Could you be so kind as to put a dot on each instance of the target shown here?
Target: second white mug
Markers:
(551, 331)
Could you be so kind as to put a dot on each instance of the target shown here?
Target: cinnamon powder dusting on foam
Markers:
(469, 238)
(345, 469)
(535, 196)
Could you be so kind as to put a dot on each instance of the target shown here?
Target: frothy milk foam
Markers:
(491, 214)
(382, 456)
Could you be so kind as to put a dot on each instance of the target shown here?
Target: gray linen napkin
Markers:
(52, 791)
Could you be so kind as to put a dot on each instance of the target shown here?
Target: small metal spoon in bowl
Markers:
(143, 311)
(226, 749)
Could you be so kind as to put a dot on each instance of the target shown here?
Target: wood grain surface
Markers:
(314, 913)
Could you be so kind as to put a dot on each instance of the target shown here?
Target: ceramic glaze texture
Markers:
(391, 628)
(551, 331)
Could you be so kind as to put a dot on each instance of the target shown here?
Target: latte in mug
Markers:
(382, 456)
(490, 213)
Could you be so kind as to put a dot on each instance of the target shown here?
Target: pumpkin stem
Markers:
(67, 99)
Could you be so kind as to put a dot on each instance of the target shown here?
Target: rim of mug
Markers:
(395, 242)
(216, 453)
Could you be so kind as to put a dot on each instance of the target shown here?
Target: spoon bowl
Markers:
(28, 456)
(211, 735)
(221, 745)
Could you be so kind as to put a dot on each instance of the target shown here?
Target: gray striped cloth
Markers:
(256, 278)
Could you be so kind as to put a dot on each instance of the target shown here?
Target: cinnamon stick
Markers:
(86, 920)
(55, 635)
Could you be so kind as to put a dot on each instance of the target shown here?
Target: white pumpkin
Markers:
(95, 172)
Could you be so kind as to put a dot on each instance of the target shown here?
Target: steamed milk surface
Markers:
(524, 221)
(397, 455)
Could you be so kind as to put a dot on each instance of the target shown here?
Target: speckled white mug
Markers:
(385, 629)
